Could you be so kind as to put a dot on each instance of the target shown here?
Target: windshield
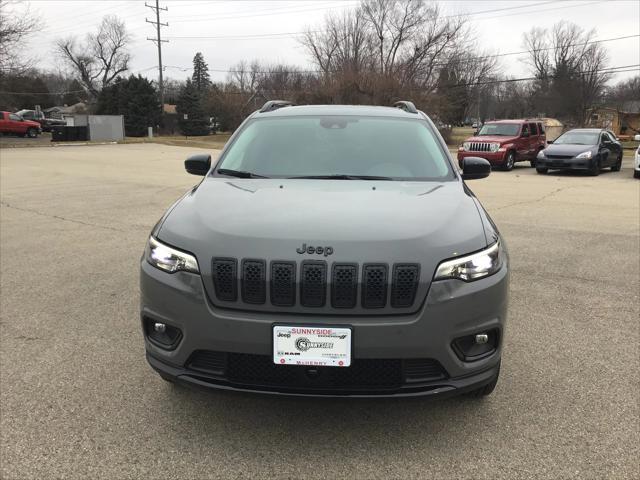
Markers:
(500, 129)
(338, 146)
(577, 137)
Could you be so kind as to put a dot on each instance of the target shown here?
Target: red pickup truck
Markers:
(504, 142)
(13, 124)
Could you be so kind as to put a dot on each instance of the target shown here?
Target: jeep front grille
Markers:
(283, 284)
(479, 147)
(224, 278)
(253, 284)
(314, 284)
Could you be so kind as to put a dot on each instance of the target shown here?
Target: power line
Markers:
(541, 10)
(260, 14)
(158, 41)
(185, 69)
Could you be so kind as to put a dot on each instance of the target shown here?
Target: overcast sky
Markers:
(499, 26)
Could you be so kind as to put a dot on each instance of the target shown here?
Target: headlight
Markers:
(169, 259)
(472, 267)
(494, 147)
(466, 146)
(586, 154)
(540, 154)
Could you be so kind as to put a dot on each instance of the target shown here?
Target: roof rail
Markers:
(272, 105)
(407, 106)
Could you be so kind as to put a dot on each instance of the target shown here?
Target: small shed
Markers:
(624, 122)
(553, 128)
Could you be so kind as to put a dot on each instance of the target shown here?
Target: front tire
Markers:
(32, 133)
(507, 165)
(594, 171)
(618, 165)
(542, 170)
(636, 174)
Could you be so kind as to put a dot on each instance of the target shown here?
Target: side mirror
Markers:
(474, 168)
(524, 134)
(549, 141)
(198, 164)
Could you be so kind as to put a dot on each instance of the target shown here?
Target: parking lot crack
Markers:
(535, 200)
(58, 217)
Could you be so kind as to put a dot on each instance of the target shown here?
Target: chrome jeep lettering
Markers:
(310, 249)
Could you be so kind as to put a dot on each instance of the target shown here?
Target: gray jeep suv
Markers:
(329, 250)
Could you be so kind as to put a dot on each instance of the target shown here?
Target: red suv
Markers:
(11, 123)
(504, 142)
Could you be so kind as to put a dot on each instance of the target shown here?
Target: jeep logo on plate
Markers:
(326, 251)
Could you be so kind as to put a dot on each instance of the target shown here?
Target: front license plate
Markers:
(321, 346)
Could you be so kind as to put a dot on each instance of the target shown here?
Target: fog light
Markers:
(161, 334)
(474, 347)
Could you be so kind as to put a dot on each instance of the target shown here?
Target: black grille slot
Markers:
(423, 370)
(224, 278)
(259, 370)
(404, 285)
(313, 284)
(344, 286)
(208, 362)
(283, 284)
(374, 286)
(253, 281)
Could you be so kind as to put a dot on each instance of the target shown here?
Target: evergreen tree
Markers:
(75, 93)
(136, 98)
(190, 104)
(200, 76)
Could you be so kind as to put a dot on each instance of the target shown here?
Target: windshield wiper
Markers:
(238, 173)
(344, 177)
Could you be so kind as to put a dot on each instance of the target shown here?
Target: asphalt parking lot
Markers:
(78, 399)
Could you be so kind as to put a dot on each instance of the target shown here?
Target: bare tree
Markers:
(570, 69)
(384, 48)
(103, 56)
(14, 27)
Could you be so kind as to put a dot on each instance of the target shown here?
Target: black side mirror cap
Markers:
(198, 164)
(474, 168)
(549, 141)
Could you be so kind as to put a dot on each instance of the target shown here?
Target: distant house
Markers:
(624, 122)
(61, 111)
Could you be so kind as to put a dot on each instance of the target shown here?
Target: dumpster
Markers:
(59, 133)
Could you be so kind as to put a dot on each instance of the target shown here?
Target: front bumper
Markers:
(451, 310)
(494, 158)
(565, 163)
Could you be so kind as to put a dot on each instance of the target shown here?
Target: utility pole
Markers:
(158, 41)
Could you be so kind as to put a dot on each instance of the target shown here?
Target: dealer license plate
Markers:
(321, 346)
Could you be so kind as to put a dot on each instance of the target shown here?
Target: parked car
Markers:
(13, 124)
(636, 159)
(353, 260)
(505, 142)
(45, 123)
(588, 149)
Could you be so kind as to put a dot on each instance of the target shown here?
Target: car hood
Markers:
(30, 123)
(362, 221)
(491, 138)
(569, 149)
